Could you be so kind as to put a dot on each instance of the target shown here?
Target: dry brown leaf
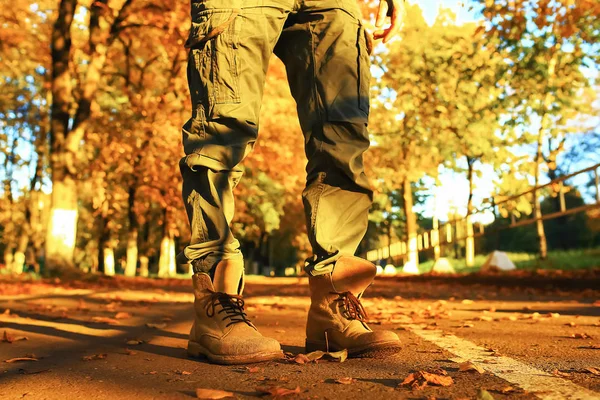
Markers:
(82, 306)
(560, 374)
(161, 325)
(7, 338)
(508, 389)
(581, 336)
(105, 320)
(339, 356)
(122, 315)
(253, 370)
(94, 357)
(418, 380)
(300, 359)
(592, 370)
(18, 359)
(212, 394)
(469, 366)
(345, 381)
(277, 391)
(178, 372)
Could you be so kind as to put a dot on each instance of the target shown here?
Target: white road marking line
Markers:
(533, 380)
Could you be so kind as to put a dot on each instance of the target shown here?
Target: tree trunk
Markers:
(109, 260)
(132, 245)
(62, 226)
(470, 241)
(144, 266)
(412, 263)
(60, 241)
(166, 261)
(541, 233)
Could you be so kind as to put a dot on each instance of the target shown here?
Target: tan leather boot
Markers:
(221, 331)
(337, 319)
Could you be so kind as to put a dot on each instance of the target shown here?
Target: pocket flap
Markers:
(209, 24)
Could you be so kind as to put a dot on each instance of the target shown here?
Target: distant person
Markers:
(325, 49)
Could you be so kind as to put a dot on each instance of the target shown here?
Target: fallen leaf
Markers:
(592, 370)
(82, 306)
(301, 359)
(134, 342)
(9, 338)
(253, 370)
(345, 381)
(560, 374)
(161, 325)
(105, 320)
(340, 356)
(508, 389)
(122, 315)
(94, 357)
(212, 394)
(277, 391)
(580, 336)
(178, 372)
(18, 359)
(484, 395)
(469, 366)
(418, 380)
(153, 372)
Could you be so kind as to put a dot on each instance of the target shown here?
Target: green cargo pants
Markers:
(325, 50)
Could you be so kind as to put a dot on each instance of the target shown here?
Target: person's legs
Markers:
(230, 45)
(325, 50)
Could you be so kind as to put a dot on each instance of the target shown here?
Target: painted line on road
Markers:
(540, 383)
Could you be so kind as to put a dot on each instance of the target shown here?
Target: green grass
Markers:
(557, 260)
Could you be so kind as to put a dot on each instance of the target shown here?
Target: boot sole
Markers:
(196, 350)
(373, 350)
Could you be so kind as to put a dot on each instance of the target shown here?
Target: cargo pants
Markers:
(325, 50)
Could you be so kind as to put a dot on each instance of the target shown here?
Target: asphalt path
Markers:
(508, 337)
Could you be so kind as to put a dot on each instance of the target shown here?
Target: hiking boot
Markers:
(337, 319)
(221, 331)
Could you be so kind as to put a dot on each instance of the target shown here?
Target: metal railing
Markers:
(463, 229)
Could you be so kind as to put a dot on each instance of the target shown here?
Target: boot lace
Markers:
(351, 306)
(232, 305)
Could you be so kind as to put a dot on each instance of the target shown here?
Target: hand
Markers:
(393, 9)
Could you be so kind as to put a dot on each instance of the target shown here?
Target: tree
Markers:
(547, 43)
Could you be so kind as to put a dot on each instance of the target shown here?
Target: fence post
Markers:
(435, 238)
